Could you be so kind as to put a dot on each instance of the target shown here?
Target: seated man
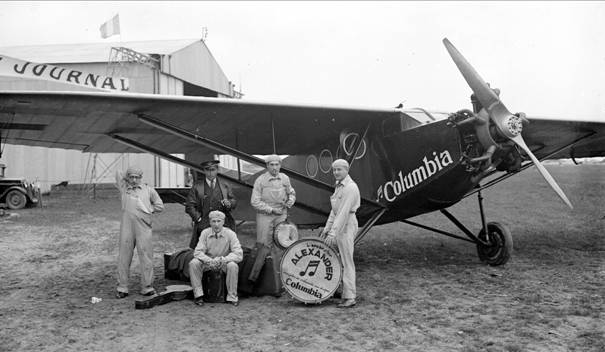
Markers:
(218, 249)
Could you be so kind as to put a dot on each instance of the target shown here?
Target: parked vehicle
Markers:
(17, 193)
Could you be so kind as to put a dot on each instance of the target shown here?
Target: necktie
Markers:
(213, 181)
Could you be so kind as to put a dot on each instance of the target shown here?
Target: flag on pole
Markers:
(111, 27)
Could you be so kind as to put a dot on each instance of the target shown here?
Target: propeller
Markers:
(508, 124)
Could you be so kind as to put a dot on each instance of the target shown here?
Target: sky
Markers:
(548, 58)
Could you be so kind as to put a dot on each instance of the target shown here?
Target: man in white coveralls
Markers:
(341, 227)
(139, 201)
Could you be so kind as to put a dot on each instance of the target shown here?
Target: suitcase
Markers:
(214, 284)
(169, 273)
(176, 265)
(245, 287)
(269, 282)
(260, 253)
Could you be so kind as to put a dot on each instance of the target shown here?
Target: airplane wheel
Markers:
(16, 200)
(501, 244)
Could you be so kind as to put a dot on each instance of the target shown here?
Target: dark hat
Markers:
(209, 163)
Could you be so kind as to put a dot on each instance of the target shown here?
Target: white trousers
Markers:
(196, 272)
(346, 243)
(265, 225)
(135, 232)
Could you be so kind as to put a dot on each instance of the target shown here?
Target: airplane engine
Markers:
(484, 146)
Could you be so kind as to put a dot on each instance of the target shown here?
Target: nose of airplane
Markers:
(509, 125)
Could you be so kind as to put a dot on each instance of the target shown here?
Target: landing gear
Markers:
(494, 242)
(496, 246)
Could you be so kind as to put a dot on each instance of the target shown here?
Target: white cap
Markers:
(134, 170)
(217, 214)
(340, 163)
(272, 157)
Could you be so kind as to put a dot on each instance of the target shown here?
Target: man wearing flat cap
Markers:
(272, 196)
(217, 249)
(206, 196)
(341, 227)
(139, 201)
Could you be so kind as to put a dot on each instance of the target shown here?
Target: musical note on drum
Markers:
(312, 264)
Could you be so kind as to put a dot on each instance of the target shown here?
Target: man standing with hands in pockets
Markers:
(341, 227)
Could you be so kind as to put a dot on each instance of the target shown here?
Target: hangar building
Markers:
(172, 67)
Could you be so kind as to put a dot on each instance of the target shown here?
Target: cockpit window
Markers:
(425, 116)
(397, 124)
(410, 118)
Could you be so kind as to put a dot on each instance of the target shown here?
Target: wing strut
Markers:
(209, 143)
(226, 149)
(273, 134)
(197, 167)
(364, 230)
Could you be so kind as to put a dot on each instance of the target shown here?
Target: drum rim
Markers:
(318, 300)
(275, 240)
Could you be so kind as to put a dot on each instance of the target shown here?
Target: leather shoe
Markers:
(121, 295)
(199, 301)
(347, 303)
(235, 304)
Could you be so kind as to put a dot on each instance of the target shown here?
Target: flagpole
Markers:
(120, 27)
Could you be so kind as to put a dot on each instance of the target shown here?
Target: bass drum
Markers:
(310, 270)
(285, 234)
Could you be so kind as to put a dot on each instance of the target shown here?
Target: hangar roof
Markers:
(90, 52)
(187, 59)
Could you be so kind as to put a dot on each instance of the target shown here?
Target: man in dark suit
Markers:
(207, 195)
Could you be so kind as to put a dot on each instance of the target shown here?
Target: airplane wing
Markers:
(85, 121)
(558, 139)
(546, 136)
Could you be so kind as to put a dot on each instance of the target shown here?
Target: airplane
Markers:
(406, 162)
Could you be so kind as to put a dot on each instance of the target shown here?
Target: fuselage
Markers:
(409, 166)
(405, 164)
(425, 171)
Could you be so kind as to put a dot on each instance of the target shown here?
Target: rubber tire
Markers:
(16, 200)
(500, 252)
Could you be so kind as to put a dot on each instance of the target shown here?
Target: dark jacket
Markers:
(194, 206)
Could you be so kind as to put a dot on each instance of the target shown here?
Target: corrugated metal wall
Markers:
(169, 174)
(195, 64)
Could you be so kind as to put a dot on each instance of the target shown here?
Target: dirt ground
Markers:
(419, 291)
